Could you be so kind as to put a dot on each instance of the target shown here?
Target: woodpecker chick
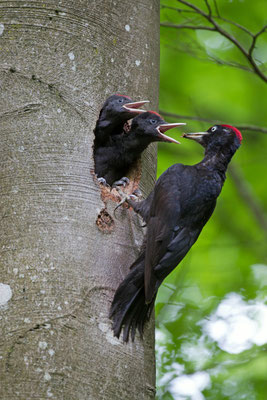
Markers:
(113, 162)
(115, 112)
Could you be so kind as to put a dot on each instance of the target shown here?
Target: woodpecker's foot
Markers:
(103, 181)
(124, 181)
(137, 193)
(124, 198)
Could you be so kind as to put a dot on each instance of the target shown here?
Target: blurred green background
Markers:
(211, 312)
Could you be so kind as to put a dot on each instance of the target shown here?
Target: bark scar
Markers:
(26, 109)
(105, 222)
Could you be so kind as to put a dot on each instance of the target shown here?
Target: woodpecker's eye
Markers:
(120, 100)
(153, 121)
(213, 129)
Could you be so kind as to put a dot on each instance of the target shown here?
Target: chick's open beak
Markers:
(134, 107)
(165, 127)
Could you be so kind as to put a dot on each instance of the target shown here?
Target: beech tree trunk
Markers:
(63, 253)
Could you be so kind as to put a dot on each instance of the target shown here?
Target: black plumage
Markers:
(115, 112)
(113, 161)
(181, 203)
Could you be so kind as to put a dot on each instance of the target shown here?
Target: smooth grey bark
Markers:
(62, 252)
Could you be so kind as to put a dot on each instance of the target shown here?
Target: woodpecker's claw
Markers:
(137, 193)
(103, 181)
(124, 198)
(121, 193)
(124, 181)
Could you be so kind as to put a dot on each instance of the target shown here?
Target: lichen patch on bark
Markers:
(5, 294)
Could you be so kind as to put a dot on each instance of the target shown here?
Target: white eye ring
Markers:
(213, 129)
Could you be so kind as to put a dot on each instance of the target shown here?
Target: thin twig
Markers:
(198, 10)
(254, 40)
(208, 7)
(218, 16)
(261, 31)
(252, 128)
(241, 27)
(230, 64)
(216, 8)
(188, 117)
(179, 10)
(231, 38)
(242, 127)
(192, 51)
(182, 26)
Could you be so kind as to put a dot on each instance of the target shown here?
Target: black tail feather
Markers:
(129, 310)
(145, 315)
(123, 316)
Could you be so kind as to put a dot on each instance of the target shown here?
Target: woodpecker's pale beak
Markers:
(133, 108)
(197, 136)
(165, 127)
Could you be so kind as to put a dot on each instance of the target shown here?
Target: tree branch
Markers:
(218, 16)
(216, 8)
(182, 26)
(216, 27)
(179, 10)
(230, 64)
(242, 127)
(254, 40)
(188, 50)
(241, 27)
(208, 7)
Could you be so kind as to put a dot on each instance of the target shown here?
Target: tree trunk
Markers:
(62, 251)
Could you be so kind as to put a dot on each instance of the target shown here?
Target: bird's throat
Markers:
(217, 160)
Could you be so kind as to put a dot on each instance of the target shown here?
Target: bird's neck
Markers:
(217, 159)
(107, 124)
(133, 146)
(132, 143)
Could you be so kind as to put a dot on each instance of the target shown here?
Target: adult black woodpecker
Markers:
(176, 211)
(113, 162)
(114, 113)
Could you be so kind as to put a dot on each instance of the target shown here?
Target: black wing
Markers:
(162, 225)
(171, 225)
